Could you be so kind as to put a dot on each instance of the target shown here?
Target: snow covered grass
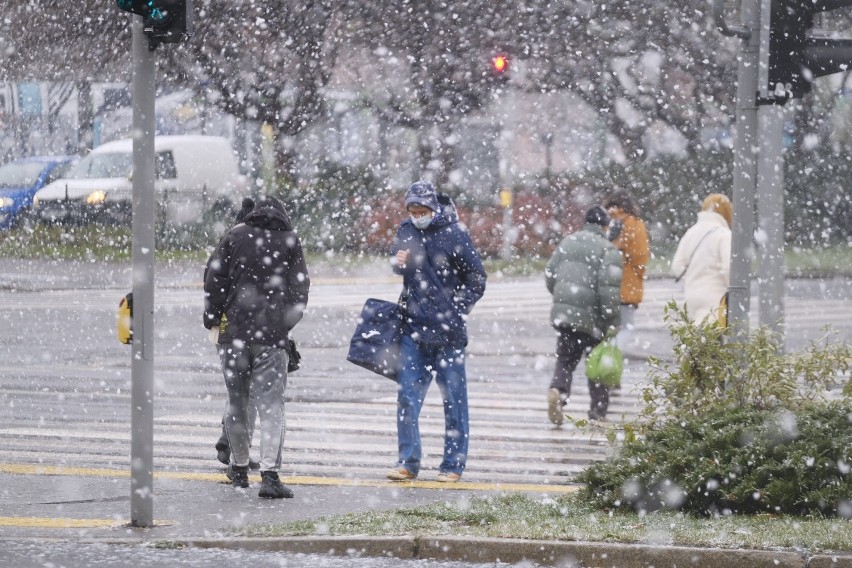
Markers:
(100, 242)
(566, 518)
(819, 261)
(109, 243)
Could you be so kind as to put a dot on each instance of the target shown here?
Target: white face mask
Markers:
(422, 222)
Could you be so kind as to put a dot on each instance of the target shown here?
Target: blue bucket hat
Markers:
(422, 193)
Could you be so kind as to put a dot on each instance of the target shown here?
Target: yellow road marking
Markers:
(39, 522)
(22, 469)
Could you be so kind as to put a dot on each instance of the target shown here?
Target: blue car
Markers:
(19, 181)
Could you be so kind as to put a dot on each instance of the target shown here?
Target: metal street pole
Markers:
(745, 174)
(506, 198)
(770, 217)
(142, 364)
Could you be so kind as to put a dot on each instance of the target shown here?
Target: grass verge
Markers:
(565, 518)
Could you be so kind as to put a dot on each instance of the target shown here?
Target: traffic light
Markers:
(500, 67)
(790, 58)
(169, 21)
(166, 21)
(139, 7)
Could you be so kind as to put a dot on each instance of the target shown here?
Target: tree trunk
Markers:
(285, 159)
(85, 117)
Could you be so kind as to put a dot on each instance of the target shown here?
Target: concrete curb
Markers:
(511, 551)
(556, 553)
(403, 547)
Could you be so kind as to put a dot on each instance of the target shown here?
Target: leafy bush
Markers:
(710, 373)
(735, 427)
(735, 461)
(328, 214)
(817, 203)
(669, 189)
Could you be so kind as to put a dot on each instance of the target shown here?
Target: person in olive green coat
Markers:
(584, 277)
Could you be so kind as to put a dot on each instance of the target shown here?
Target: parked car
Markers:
(21, 179)
(192, 175)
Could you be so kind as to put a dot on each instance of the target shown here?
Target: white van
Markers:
(192, 174)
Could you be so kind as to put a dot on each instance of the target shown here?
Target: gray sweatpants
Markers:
(255, 375)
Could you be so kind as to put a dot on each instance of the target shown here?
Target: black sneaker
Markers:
(271, 487)
(253, 465)
(238, 474)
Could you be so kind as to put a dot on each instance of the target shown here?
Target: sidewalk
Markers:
(203, 513)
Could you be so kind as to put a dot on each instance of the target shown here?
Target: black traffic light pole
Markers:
(143, 247)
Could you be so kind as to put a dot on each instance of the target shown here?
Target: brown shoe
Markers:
(401, 474)
(448, 477)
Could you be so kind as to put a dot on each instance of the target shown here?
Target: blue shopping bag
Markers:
(375, 343)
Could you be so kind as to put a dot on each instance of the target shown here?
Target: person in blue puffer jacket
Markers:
(443, 278)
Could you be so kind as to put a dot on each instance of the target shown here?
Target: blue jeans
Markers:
(420, 363)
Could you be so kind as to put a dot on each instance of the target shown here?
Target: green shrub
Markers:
(669, 189)
(328, 214)
(710, 373)
(735, 427)
(735, 461)
(817, 202)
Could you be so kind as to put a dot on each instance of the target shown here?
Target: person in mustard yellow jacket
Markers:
(629, 235)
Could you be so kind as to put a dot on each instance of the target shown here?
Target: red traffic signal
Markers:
(500, 64)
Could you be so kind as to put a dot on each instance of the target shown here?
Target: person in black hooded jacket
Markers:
(256, 288)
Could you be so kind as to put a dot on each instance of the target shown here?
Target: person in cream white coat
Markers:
(703, 258)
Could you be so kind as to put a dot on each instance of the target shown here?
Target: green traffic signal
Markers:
(166, 21)
(139, 7)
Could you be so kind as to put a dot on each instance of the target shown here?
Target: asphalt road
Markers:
(65, 384)
(66, 380)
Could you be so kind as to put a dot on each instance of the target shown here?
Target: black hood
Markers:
(270, 216)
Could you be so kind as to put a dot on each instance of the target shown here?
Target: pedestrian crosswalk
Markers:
(511, 440)
(72, 407)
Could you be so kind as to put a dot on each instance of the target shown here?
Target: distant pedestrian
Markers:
(443, 278)
(584, 277)
(256, 289)
(703, 259)
(628, 233)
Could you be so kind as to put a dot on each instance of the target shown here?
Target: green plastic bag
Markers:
(605, 363)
